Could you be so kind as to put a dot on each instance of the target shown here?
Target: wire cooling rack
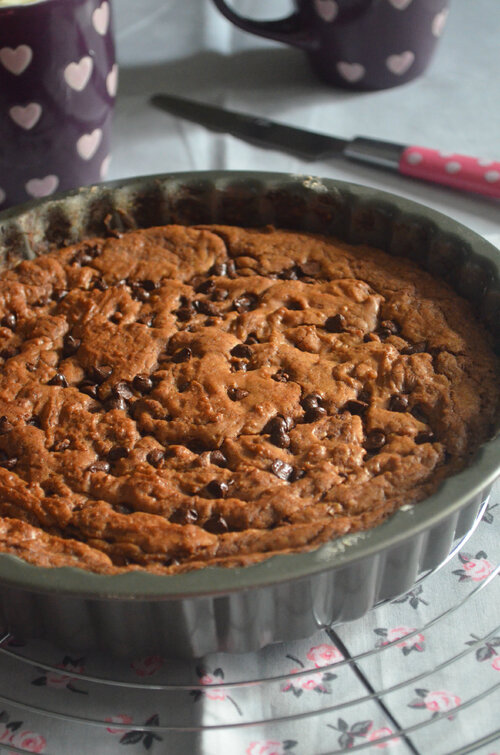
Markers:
(369, 696)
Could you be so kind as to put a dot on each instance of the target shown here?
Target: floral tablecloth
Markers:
(426, 680)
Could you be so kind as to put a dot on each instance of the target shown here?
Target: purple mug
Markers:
(58, 80)
(358, 44)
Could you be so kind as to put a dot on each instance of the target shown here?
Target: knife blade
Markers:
(453, 170)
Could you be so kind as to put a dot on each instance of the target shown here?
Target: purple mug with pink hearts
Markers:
(358, 44)
(58, 80)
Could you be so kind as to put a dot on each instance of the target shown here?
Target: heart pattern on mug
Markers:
(27, 116)
(77, 75)
(100, 18)
(326, 9)
(351, 72)
(439, 21)
(2, 195)
(88, 144)
(42, 187)
(400, 4)
(16, 60)
(112, 81)
(399, 64)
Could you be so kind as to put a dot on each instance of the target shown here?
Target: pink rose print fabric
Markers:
(147, 666)
(475, 568)
(438, 701)
(418, 675)
(63, 680)
(415, 641)
(13, 733)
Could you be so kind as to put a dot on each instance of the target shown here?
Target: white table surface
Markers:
(186, 47)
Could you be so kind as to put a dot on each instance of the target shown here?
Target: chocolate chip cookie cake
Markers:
(178, 397)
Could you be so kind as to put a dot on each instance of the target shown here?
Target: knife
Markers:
(457, 171)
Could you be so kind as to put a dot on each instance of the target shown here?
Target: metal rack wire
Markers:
(115, 683)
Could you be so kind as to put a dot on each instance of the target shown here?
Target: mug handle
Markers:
(289, 30)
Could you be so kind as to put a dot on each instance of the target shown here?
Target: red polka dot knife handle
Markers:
(457, 171)
(481, 176)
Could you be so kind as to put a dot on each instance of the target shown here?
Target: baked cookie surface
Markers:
(184, 396)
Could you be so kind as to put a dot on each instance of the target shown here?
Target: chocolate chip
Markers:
(388, 328)
(311, 401)
(335, 324)
(34, 421)
(7, 462)
(102, 373)
(218, 458)
(297, 474)
(281, 376)
(59, 380)
(281, 469)
(98, 466)
(219, 269)
(206, 307)
(355, 407)
(280, 439)
(217, 525)
(184, 516)
(220, 294)
(415, 348)
(61, 445)
(116, 403)
(122, 390)
(118, 452)
(294, 305)
(89, 388)
(276, 425)
(313, 415)
(8, 353)
(117, 318)
(155, 457)
(425, 437)
(251, 339)
(142, 383)
(398, 403)
(185, 313)
(9, 321)
(217, 489)
(375, 440)
(182, 355)
(141, 294)
(241, 351)
(5, 425)
(58, 294)
(150, 285)
(205, 287)
(239, 367)
(70, 345)
(236, 394)
(146, 319)
(290, 274)
(100, 284)
(245, 303)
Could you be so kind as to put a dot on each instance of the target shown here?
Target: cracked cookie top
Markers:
(177, 397)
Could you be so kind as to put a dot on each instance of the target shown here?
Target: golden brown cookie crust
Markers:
(177, 397)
